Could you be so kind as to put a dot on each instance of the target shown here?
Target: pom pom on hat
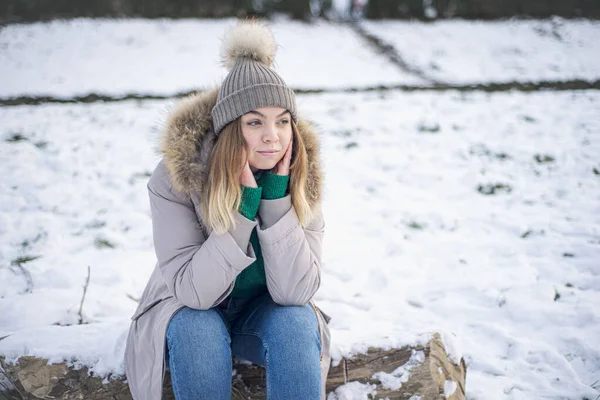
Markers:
(251, 39)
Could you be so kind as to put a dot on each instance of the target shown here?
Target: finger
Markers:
(288, 153)
(246, 172)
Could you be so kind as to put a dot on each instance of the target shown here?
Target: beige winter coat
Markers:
(196, 267)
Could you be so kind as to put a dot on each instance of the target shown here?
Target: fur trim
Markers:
(188, 138)
(251, 39)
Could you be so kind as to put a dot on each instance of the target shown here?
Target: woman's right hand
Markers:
(247, 178)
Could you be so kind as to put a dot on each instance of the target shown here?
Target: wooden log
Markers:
(32, 378)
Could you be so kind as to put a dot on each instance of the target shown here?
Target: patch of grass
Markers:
(350, 145)
(16, 137)
(41, 145)
(103, 244)
(28, 242)
(543, 158)
(569, 284)
(17, 268)
(23, 260)
(528, 118)
(556, 295)
(502, 302)
(415, 225)
(425, 128)
(96, 224)
(596, 171)
(570, 255)
(482, 150)
(479, 150)
(529, 232)
(139, 175)
(61, 324)
(491, 189)
(344, 133)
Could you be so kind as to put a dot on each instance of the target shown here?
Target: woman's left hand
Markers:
(283, 166)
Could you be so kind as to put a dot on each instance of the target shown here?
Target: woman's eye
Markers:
(284, 121)
(254, 123)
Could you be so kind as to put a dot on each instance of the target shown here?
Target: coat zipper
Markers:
(316, 310)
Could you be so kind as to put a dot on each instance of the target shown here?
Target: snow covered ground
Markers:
(166, 57)
(465, 52)
(475, 215)
(412, 247)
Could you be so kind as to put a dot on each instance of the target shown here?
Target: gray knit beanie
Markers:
(248, 50)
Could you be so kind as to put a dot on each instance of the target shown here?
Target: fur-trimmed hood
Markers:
(188, 138)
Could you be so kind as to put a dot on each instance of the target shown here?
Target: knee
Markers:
(294, 324)
(189, 325)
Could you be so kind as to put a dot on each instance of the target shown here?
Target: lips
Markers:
(268, 152)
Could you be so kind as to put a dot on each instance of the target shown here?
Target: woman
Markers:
(237, 229)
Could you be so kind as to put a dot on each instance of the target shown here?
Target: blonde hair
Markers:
(221, 195)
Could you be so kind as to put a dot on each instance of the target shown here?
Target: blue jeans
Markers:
(285, 340)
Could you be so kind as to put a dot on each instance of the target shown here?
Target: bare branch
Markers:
(87, 282)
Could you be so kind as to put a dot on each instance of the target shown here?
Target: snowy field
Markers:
(167, 57)
(520, 51)
(414, 245)
(474, 215)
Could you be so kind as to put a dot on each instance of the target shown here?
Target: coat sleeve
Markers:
(199, 271)
(291, 254)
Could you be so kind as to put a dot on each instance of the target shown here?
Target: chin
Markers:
(267, 165)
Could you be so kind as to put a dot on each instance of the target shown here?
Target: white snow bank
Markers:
(100, 346)
(164, 57)
(457, 51)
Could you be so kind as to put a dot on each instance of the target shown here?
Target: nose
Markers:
(270, 134)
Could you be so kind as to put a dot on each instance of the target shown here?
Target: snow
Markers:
(452, 346)
(101, 346)
(464, 52)
(449, 388)
(353, 391)
(400, 375)
(415, 242)
(468, 272)
(165, 57)
(86, 183)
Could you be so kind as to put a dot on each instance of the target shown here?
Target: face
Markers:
(268, 132)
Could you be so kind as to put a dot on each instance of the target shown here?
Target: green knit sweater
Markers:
(252, 280)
